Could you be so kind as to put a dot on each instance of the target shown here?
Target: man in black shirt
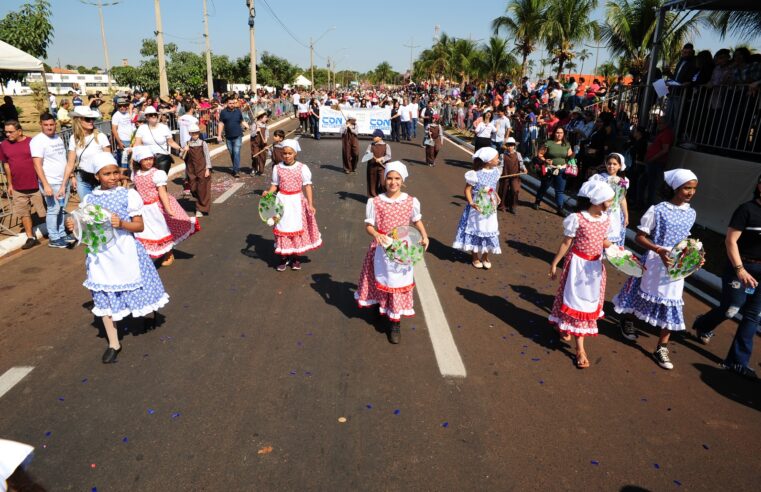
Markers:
(232, 123)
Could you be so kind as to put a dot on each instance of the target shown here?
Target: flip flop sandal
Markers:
(581, 361)
(477, 264)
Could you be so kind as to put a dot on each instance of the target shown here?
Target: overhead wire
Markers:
(285, 28)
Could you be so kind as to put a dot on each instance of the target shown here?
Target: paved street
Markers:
(243, 383)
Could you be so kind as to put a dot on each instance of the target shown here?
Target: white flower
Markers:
(271, 221)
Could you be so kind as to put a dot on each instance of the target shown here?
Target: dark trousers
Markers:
(558, 184)
(735, 300)
(315, 127)
(430, 154)
(374, 178)
(508, 192)
(395, 130)
(200, 186)
(163, 162)
(405, 129)
(350, 161)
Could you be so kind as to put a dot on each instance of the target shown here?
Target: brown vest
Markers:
(194, 159)
(512, 164)
(378, 149)
(435, 131)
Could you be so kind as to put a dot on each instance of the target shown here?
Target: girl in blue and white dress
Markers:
(478, 233)
(619, 211)
(120, 274)
(655, 298)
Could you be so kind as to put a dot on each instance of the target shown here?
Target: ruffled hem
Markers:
(112, 288)
(659, 300)
(394, 290)
(135, 313)
(407, 313)
(157, 251)
(566, 327)
(650, 320)
(582, 316)
(296, 251)
(278, 232)
(147, 242)
(472, 248)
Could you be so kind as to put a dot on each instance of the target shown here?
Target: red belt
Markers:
(289, 192)
(152, 201)
(584, 255)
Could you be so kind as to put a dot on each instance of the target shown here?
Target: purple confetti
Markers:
(145, 355)
(523, 353)
(309, 334)
(445, 424)
(124, 439)
(397, 411)
(60, 398)
(308, 373)
(643, 399)
(678, 483)
(243, 335)
(705, 446)
(48, 433)
(595, 462)
(541, 381)
(292, 373)
(151, 411)
(175, 415)
(656, 466)
(535, 359)
(369, 406)
(94, 489)
(84, 380)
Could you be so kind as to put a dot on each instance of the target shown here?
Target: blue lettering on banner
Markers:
(377, 123)
(331, 121)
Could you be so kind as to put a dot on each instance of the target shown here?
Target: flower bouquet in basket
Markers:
(486, 199)
(404, 245)
(687, 258)
(624, 261)
(92, 227)
(270, 209)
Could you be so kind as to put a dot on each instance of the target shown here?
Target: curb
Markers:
(701, 277)
(14, 243)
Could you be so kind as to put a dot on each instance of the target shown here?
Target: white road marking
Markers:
(444, 347)
(227, 194)
(12, 377)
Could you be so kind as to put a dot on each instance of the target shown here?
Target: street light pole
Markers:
(252, 40)
(311, 53)
(163, 83)
(103, 36)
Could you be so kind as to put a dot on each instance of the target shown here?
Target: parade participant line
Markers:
(12, 377)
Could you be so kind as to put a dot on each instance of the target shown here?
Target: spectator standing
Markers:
(76, 99)
(23, 187)
(554, 154)
(85, 143)
(8, 111)
(52, 104)
(231, 123)
(49, 157)
(405, 119)
(63, 117)
(123, 128)
(502, 129)
(158, 137)
(686, 66)
(186, 121)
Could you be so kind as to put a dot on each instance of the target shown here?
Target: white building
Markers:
(62, 83)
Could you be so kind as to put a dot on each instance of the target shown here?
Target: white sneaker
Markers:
(661, 356)
(199, 213)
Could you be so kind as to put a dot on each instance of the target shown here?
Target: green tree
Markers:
(524, 21)
(278, 71)
(568, 22)
(383, 73)
(28, 29)
(496, 61)
(745, 25)
(609, 71)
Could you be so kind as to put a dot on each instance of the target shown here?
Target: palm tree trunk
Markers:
(523, 64)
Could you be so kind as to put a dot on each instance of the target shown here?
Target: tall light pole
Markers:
(311, 52)
(252, 40)
(412, 47)
(100, 6)
(209, 78)
(163, 83)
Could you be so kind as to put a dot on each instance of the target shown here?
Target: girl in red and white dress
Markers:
(296, 232)
(579, 300)
(383, 281)
(166, 222)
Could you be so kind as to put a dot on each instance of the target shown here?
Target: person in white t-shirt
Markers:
(414, 109)
(296, 99)
(405, 118)
(186, 121)
(85, 143)
(123, 128)
(503, 129)
(49, 157)
(158, 137)
(52, 104)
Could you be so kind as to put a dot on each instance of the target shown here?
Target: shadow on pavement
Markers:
(343, 195)
(458, 163)
(531, 251)
(415, 161)
(259, 248)
(332, 168)
(529, 325)
(730, 385)
(445, 252)
(341, 296)
(23, 482)
(129, 325)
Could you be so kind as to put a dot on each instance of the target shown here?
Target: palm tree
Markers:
(745, 25)
(524, 21)
(383, 72)
(608, 70)
(568, 22)
(570, 66)
(630, 27)
(464, 59)
(531, 65)
(496, 60)
(583, 55)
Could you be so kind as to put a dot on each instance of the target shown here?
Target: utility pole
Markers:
(597, 53)
(328, 73)
(163, 83)
(412, 47)
(209, 78)
(311, 61)
(252, 40)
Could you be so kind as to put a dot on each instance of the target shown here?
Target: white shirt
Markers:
(571, 223)
(647, 222)
(123, 124)
(86, 152)
(484, 130)
(501, 125)
(296, 99)
(185, 122)
(404, 113)
(303, 107)
(53, 155)
(370, 208)
(414, 108)
(53, 103)
(155, 138)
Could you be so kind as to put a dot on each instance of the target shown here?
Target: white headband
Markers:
(677, 177)
(397, 166)
(141, 152)
(597, 192)
(486, 154)
(101, 160)
(292, 143)
(620, 158)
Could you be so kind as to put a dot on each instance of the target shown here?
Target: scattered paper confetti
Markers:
(84, 380)
(656, 466)
(60, 398)
(535, 359)
(595, 462)
(151, 411)
(369, 406)
(175, 415)
(292, 373)
(397, 411)
(125, 439)
(48, 433)
(705, 446)
(268, 449)
(445, 424)
(342, 420)
(92, 465)
(678, 483)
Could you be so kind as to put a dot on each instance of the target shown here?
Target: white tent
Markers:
(13, 59)
(302, 81)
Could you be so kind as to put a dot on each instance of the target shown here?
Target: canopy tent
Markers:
(302, 81)
(13, 59)
(735, 5)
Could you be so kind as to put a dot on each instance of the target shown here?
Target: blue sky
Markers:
(366, 32)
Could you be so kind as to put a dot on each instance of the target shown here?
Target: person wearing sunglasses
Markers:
(85, 142)
(158, 137)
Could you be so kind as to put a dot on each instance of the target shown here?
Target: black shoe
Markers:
(395, 332)
(109, 356)
(535, 206)
(740, 370)
(31, 242)
(512, 210)
(628, 330)
(236, 175)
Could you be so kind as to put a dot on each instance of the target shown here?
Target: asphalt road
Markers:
(243, 383)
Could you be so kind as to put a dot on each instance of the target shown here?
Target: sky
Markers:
(366, 33)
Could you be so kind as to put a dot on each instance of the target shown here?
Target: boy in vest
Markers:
(198, 166)
(350, 146)
(377, 155)
(510, 187)
(277, 147)
(434, 139)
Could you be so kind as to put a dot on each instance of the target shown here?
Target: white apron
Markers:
(481, 226)
(115, 266)
(656, 281)
(582, 285)
(291, 220)
(389, 273)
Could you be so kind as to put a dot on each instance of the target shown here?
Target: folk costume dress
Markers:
(581, 294)
(297, 231)
(475, 232)
(655, 298)
(617, 229)
(383, 281)
(161, 232)
(120, 275)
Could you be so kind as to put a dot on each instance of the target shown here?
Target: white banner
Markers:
(368, 120)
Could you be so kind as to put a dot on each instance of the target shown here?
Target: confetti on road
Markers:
(445, 424)
(266, 449)
(397, 411)
(93, 465)
(595, 462)
(369, 406)
(48, 433)
(342, 420)
(84, 380)
(678, 483)
(151, 411)
(656, 466)
(535, 359)
(175, 415)
(292, 373)
(125, 439)
(705, 446)
(541, 381)
(60, 398)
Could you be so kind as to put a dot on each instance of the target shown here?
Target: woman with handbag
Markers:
(158, 137)
(85, 142)
(555, 156)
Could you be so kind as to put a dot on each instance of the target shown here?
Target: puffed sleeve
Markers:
(416, 214)
(370, 212)
(134, 203)
(275, 178)
(647, 222)
(471, 178)
(571, 225)
(306, 175)
(160, 178)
